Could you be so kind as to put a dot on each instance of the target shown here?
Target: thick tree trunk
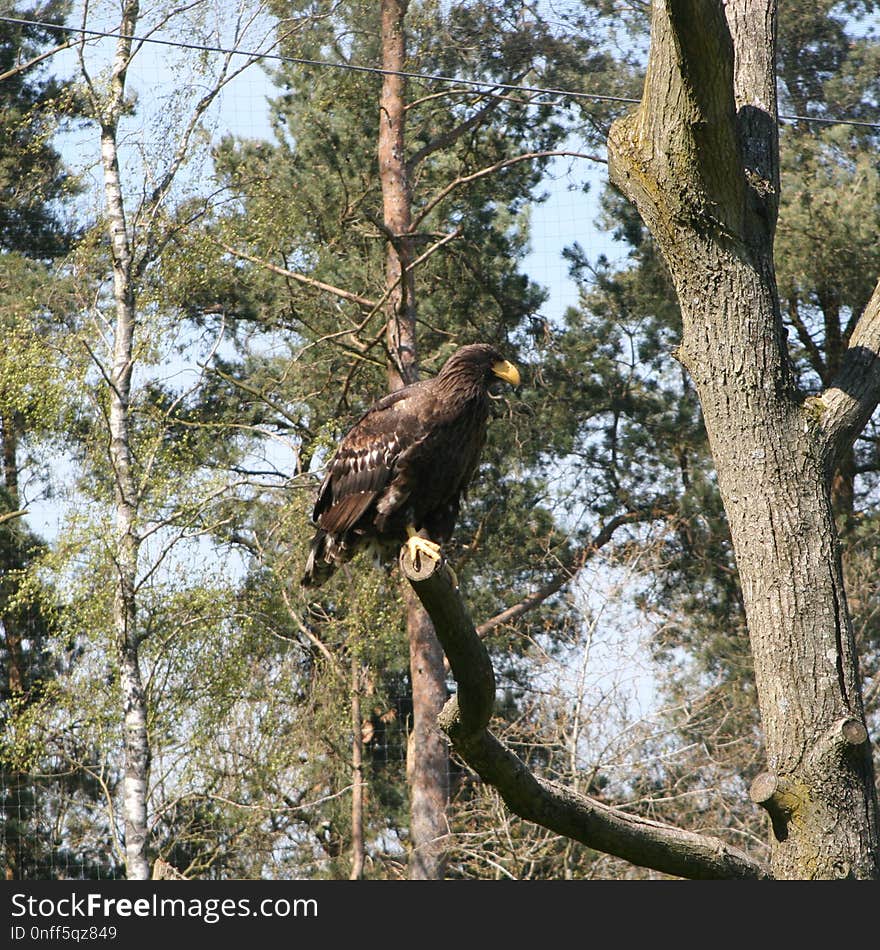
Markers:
(136, 745)
(699, 160)
(428, 758)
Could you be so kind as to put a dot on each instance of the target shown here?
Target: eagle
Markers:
(399, 474)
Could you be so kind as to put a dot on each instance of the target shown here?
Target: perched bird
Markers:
(399, 474)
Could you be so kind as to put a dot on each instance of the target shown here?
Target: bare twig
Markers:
(570, 568)
(363, 302)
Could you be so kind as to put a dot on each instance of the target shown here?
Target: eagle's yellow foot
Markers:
(417, 545)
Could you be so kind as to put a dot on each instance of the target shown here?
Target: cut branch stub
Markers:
(800, 798)
(845, 737)
(779, 799)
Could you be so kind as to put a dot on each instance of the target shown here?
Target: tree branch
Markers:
(465, 718)
(451, 136)
(814, 354)
(363, 302)
(23, 67)
(490, 170)
(848, 403)
(571, 566)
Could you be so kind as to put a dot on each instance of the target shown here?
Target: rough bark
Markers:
(427, 758)
(465, 719)
(699, 159)
(400, 305)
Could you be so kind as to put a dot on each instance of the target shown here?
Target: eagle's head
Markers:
(478, 364)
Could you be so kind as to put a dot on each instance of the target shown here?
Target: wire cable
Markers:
(326, 64)
(423, 77)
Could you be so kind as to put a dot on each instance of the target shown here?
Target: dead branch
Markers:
(465, 720)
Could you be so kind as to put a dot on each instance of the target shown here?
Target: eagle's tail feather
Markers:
(317, 569)
(325, 555)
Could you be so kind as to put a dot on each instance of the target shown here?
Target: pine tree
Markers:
(311, 245)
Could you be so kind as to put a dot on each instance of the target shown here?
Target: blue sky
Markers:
(154, 80)
(566, 216)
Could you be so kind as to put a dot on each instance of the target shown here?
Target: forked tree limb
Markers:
(700, 163)
(575, 562)
(849, 402)
(465, 720)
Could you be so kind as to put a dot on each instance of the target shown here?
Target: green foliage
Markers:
(33, 176)
(247, 374)
(36, 376)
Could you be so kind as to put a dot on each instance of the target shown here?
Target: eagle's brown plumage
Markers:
(405, 464)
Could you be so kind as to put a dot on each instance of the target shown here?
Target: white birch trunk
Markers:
(136, 747)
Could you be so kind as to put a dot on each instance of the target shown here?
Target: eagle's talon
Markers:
(416, 546)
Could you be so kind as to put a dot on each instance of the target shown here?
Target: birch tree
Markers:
(137, 234)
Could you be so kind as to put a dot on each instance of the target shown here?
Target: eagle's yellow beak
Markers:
(506, 371)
